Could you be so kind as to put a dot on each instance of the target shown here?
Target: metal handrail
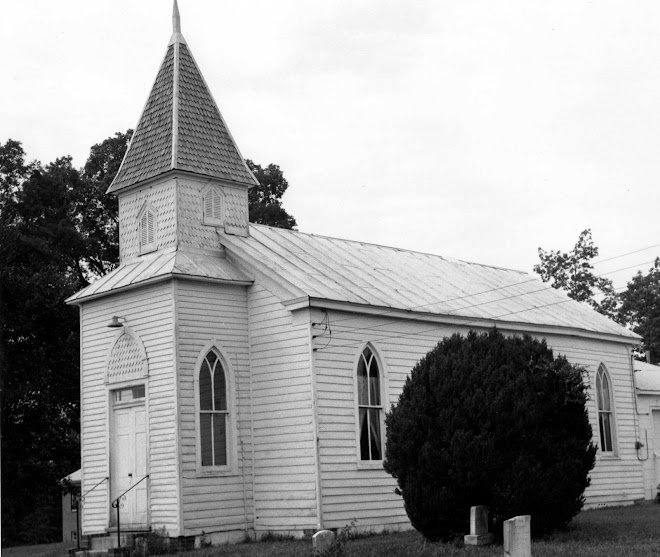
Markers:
(116, 504)
(93, 488)
(76, 504)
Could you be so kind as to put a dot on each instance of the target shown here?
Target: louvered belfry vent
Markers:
(213, 206)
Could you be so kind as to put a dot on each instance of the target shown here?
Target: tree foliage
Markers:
(265, 200)
(637, 307)
(641, 308)
(573, 273)
(39, 268)
(490, 420)
(98, 212)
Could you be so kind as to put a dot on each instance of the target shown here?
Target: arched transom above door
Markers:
(127, 359)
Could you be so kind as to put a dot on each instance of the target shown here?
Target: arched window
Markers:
(370, 406)
(213, 412)
(604, 400)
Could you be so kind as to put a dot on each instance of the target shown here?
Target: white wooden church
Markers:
(235, 377)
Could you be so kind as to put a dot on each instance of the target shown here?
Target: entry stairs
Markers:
(133, 544)
(106, 545)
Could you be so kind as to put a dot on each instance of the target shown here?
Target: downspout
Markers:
(638, 443)
(315, 422)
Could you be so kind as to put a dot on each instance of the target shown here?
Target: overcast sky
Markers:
(473, 129)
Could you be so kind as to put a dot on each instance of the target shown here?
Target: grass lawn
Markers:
(615, 532)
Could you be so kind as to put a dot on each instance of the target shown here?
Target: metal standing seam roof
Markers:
(181, 128)
(647, 377)
(157, 266)
(355, 272)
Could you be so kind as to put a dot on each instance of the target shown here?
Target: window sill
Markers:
(216, 473)
(213, 222)
(370, 465)
(148, 249)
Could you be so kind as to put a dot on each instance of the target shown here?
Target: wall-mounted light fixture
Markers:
(115, 322)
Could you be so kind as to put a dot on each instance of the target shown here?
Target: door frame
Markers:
(110, 388)
(653, 412)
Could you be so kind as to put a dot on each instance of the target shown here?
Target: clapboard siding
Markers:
(284, 449)
(351, 492)
(149, 314)
(213, 313)
(648, 404)
(617, 479)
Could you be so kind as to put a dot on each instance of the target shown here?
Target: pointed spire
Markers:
(181, 127)
(176, 18)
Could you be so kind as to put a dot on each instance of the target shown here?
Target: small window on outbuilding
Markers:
(147, 230)
(213, 206)
(604, 400)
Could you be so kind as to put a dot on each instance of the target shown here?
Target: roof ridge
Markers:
(449, 259)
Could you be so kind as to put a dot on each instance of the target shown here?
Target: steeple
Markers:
(181, 127)
(176, 19)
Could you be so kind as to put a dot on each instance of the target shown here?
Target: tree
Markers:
(98, 212)
(490, 420)
(641, 308)
(573, 273)
(264, 200)
(39, 268)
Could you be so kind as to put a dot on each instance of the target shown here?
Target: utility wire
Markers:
(417, 333)
(534, 279)
(624, 254)
(453, 311)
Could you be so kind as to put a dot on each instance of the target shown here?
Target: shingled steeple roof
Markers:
(181, 127)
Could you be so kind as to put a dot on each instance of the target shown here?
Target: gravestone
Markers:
(518, 537)
(479, 534)
(322, 540)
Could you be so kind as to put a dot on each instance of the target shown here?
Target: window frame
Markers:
(217, 217)
(602, 371)
(148, 246)
(384, 404)
(231, 419)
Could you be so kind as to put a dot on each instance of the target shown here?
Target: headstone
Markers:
(518, 537)
(479, 534)
(322, 540)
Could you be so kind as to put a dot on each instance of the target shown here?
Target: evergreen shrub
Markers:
(491, 420)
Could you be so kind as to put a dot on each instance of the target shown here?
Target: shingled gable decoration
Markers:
(248, 408)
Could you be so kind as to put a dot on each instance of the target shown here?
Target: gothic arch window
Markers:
(605, 403)
(214, 417)
(212, 204)
(370, 406)
(147, 229)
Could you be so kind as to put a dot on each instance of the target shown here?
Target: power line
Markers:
(453, 311)
(438, 302)
(416, 333)
(624, 254)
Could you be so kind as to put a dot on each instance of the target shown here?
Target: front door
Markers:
(129, 458)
